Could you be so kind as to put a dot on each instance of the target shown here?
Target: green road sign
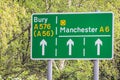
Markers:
(72, 36)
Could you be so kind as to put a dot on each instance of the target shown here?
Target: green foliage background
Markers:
(15, 20)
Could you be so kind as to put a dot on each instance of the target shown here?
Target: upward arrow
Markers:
(70, 43)
(98, 42)
(43, 43)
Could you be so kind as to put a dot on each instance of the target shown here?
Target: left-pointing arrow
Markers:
(70, 43)
(43, 43)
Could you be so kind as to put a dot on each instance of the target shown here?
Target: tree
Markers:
(15, 62)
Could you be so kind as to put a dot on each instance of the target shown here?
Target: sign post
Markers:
(96, 70)
(72, 36)
(49, 73)
(96, 62)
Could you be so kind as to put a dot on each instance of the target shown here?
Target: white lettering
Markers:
(78, 30)
(41, 20)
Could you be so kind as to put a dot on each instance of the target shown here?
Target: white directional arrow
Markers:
(43, 43)
(70, 43)
(98, 42)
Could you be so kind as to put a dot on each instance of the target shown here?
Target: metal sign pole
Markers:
(96, 69)
(49, 72)
(96, 66)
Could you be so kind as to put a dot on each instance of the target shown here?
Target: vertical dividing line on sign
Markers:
(56, 24)
(55, 41)
(83, 51)
(84, 46)
(56, 46)
(55, 51)
(56, 36)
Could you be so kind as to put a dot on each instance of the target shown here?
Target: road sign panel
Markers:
(72, 35)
